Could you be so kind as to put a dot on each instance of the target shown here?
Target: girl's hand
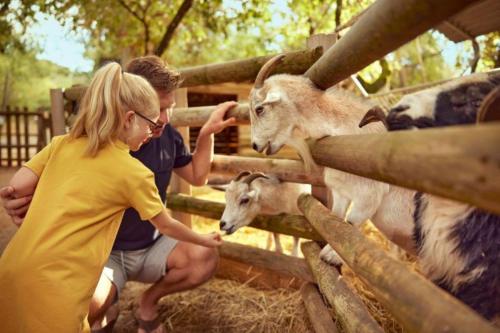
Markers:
(213, 239)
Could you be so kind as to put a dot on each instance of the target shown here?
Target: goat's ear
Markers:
(272, 96)
(373, 115)
(252, 194)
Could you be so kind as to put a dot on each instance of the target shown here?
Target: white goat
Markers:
(249, 195)
(287, 109)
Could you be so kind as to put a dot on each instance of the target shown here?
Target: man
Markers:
(140, 253)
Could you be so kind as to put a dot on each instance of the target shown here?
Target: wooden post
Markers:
(8, 118)
(178, 185)
(350, 310)
(318, 313)
(26, 119)
(325, 41)
(458, 162)
(57, 112)
(418, 304)
(293, 225)
(17, 115)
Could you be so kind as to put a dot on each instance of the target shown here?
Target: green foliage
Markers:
(29, 79)
(211, 31)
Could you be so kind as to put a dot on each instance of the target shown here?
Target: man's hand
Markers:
(216, 123)
(16, 208)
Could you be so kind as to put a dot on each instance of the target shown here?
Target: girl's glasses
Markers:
(153, 126)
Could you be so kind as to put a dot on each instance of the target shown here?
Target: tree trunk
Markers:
(169, 33)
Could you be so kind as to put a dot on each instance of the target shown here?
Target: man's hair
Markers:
(156, 71)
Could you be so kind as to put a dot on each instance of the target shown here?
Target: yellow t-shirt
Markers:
(49, 270)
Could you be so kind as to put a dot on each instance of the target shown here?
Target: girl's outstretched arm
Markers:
(175, 229)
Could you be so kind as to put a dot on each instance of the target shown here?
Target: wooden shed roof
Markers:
(478, 19)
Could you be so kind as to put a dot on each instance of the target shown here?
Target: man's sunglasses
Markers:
(153, 126)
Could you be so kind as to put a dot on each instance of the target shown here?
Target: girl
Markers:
(85, 181)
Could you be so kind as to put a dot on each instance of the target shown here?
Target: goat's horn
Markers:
(490, 107)
(254, 176)
(266, 69)
(373, 115)
(241, 175)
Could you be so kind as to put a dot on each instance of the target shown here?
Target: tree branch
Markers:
(376, 85)
(169, 33)
(338, 12)
(141, 19)
(128, 9)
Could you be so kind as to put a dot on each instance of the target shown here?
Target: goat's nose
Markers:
(222, 224)
(255, 147)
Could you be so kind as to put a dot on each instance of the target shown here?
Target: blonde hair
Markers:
(109, 96)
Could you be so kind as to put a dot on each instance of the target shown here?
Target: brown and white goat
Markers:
(249, 195)
(458, 246)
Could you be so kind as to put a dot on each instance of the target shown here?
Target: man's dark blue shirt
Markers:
(161, 155)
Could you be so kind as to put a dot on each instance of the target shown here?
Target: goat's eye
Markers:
(244, 201)
(259, 109)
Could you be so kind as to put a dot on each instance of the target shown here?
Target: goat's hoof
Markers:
(329, 256)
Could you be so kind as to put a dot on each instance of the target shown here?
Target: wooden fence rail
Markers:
(296, 62)
(293, 225)
(286, 170)
(418, 304)
(232, 71)
(390, 24)
(460, 162)
(278, 262)
(197, 116)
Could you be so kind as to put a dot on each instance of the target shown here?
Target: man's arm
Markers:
(17, 196)
(196, 172)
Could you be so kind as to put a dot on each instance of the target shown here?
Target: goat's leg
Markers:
(339, 209)
(329, 255)
(295, 249)
(277, 243)
(363, 208)
(340, 205)
(269, 241)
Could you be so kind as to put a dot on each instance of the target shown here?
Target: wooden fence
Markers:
(467, 161)
(22, 134)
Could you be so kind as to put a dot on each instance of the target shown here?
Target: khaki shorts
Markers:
(145, 265)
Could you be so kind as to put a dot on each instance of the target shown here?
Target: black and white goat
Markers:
(251, 194)
(458, 246)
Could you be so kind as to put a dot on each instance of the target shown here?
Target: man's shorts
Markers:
(145, 265)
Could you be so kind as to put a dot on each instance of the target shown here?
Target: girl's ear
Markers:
(129, 117)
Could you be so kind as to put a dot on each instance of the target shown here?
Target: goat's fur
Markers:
(300, 111)
(264, 195)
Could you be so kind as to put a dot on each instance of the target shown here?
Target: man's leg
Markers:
(104, 303)
(188, 266)
(102, 299)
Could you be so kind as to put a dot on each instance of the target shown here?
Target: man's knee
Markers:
(204, 262)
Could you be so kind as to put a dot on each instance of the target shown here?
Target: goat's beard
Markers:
(302, 148)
